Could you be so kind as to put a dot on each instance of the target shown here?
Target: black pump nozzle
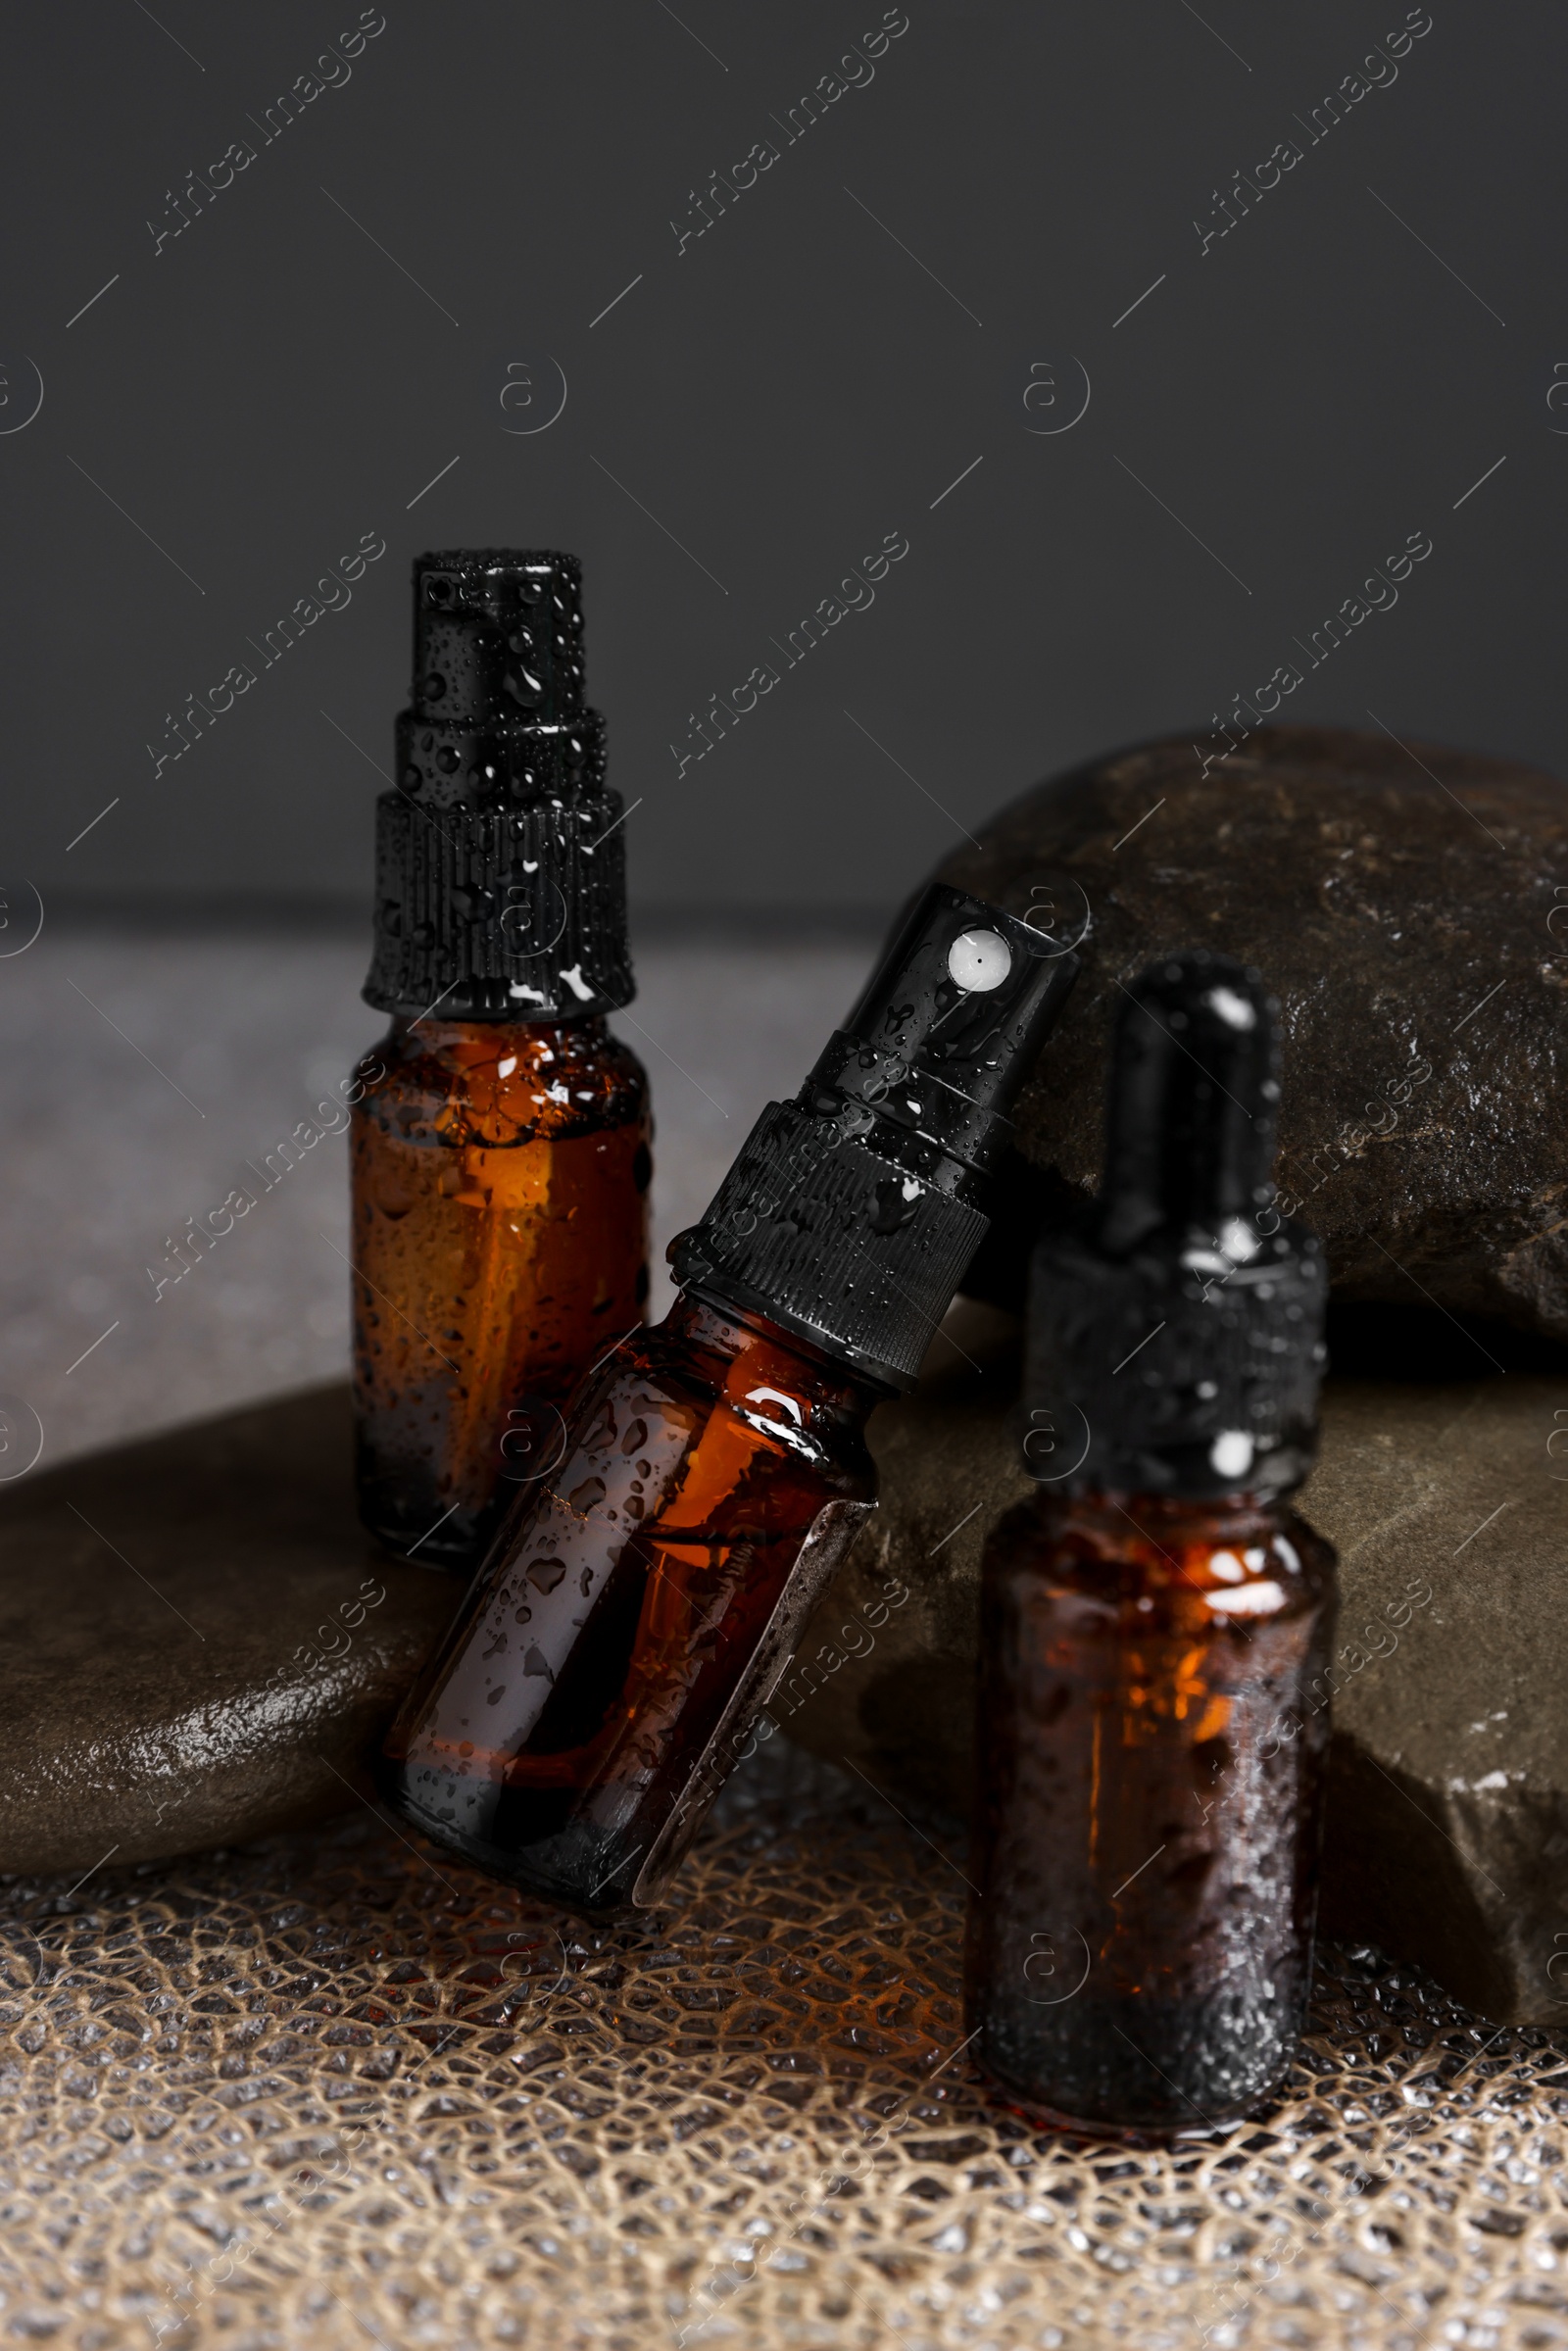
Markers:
(947, 1029)
(497, 637)
(1176, 1327)
(1194, 1095)
(852, 1212)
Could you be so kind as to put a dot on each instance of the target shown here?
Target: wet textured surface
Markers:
(1399, 906)
(333, 2092)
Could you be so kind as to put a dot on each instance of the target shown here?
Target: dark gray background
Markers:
(791, 387)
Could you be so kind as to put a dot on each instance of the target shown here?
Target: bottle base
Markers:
(458, 1559)
(606, 1898)
(1120, 2091)
(1041, 2117)
(458, 1545)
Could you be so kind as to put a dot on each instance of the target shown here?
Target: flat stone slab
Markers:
(1447, 1821)
(198, 1643)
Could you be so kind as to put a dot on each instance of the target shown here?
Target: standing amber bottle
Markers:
(501, 1164)
(604, 1670)
(1147, 1815)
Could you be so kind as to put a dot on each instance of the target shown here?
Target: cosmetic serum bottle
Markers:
(501, 1161)
(639, 1607)
(1149, 1777)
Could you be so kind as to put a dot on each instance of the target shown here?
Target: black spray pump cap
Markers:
(852, 1212)
(500, 888)
(1176, 1331)
(937, 1049)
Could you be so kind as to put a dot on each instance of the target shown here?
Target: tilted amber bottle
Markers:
(501, 1159)
(597, 1693)
(604, 1670)
(1148, 1781)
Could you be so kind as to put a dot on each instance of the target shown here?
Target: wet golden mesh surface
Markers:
(335, 2090)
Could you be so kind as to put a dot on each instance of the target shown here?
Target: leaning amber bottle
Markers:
(716, 1471)
(1149, 1775)
(501, 1156)
(605, 1666)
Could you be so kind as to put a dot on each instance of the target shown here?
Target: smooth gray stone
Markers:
(191, 1649)
(1408, 907)
(1448, 1819)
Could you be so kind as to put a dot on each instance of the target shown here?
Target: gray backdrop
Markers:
(884, 317)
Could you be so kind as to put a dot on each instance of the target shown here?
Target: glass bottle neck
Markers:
(745, 1340)
(1164, 1516)
(448, 1036)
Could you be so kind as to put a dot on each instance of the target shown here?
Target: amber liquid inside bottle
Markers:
(561, 1733)
(1150, 1775)
(500, 1178)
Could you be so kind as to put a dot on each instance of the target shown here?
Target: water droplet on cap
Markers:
(1232, 1008)
(1231, 1453)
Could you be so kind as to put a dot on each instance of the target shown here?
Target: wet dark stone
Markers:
(192, 1651)
(1410, 907)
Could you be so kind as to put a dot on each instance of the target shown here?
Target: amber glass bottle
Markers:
(501, 1160)
(705, 1458)
(1148, 1780)
(642, 1600)
(499, 1175)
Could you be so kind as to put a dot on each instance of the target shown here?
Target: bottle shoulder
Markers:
(499, 1084)
(1197, 1563)
(695, 1367)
